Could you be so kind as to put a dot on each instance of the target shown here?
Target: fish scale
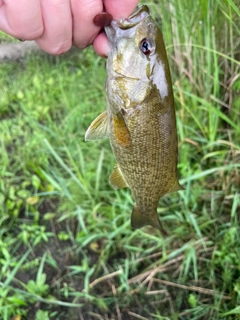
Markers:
(145, 163)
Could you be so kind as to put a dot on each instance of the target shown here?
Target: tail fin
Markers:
(138, 220)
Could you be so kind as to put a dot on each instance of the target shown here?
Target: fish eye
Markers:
(146, 46)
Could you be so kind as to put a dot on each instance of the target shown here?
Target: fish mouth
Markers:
(116, 28)
(139, 14)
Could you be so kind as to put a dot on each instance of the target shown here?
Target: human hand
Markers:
(56, 25)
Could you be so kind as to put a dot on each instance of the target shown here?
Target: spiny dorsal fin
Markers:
(121, 131)
(117, 179)
(99, 128)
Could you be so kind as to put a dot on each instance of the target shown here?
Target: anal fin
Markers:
(117, 179)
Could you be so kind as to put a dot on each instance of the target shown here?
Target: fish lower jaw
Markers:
(116, 74)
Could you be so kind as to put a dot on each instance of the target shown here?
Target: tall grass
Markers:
(66, 246)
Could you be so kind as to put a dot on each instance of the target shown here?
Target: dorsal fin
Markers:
(99, 128)
(117, 179)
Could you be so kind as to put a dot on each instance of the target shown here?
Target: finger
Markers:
(101, 45)
(120, 8)
(84, 30)
(21, 18)
(57, 34)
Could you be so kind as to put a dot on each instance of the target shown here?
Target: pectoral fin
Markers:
(117, 179)
(99, 128)
(121, 131)
(138, 220)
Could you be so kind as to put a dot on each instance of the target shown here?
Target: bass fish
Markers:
(140, 117)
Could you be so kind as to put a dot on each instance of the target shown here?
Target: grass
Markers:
(66, 246)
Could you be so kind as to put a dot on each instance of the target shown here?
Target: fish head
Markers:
(138, 57)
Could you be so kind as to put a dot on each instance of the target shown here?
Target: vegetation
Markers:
(66, 247)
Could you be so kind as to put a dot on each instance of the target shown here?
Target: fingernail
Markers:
(102, 19)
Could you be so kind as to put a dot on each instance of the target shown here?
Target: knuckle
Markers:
(26, 34)
(82, 46)
(91, 7)
(20, 29)
(59, 49)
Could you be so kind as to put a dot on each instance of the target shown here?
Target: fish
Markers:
(140, 119)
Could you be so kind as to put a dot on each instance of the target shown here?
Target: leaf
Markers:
(233, 311)
(32, 200)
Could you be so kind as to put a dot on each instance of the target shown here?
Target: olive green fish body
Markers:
(140, 116)
(148, 164)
